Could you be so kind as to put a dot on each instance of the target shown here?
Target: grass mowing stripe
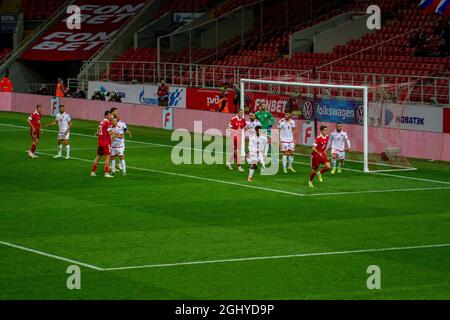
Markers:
(194, 177)
(45, 254)
(314, 254)
(354, 170)
(263, 188)
(172, 146)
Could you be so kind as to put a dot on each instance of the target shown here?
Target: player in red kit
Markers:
(34, 121)
(237, 124)
(319, 156)
(104, 144)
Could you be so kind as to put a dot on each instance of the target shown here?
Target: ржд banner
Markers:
(100, 21)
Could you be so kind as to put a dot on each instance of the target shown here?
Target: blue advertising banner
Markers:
(344, 111)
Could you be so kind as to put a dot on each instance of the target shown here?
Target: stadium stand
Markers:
(379, 60)
(4, 52)
(40, 9)
(183, 6)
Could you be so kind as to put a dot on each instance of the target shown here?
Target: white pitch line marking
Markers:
(195, 177)
(173, 146)
(49, 255)
(333, 253)
(263, 188)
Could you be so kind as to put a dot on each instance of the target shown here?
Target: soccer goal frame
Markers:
(365, 104)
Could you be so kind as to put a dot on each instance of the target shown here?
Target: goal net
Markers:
(371, 115)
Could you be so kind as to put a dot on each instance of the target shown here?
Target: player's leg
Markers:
(106, 166)
(284, 160)
(341, 161)
(67, 144)
(113, 162)
(290, 159)
(251, 171)
(35, 137)
(232, 156)
(107, 153)
(123, 164)
(326, 167)
(315, 162)
(95, 164)
(237, 148)
(58, 155)
(333, 161)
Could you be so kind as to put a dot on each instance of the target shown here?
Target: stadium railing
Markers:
(427, 89)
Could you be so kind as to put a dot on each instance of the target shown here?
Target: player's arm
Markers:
(30, 124)
(128, 131)
(294, 130)
(271, 119)
(314, 149)
(50, 123)
(349, 145)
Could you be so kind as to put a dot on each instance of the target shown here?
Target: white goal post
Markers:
(381, 146)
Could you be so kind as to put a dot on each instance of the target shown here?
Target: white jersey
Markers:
(256, 148)
(253, 124)
(286, 130)
(117, 142)
(124, 127)
(63, 120)
(338, 140)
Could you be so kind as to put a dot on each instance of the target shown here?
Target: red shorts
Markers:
(104, 150)
(36, 133)
(317, 160)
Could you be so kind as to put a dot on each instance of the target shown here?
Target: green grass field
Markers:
(191, 231)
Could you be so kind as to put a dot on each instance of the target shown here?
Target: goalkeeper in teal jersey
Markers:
(267, 120)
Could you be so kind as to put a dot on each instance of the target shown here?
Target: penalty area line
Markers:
(300, 255)
(49, 255)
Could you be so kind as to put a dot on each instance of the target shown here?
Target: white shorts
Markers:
(339, 154)
(63, 136)
(254, 158)
(287, 146)
(117, 151)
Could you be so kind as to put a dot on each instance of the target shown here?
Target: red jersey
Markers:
(321, 143)
(6, 85)
(35, 119)
(163, 91)
(104, 139)
(237, 123)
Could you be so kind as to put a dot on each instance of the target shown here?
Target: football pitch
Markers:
(169, 231)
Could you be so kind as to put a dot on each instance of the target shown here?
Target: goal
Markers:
(370, 114)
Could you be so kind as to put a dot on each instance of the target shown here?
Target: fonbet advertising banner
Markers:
(100, 21)
(139, 94)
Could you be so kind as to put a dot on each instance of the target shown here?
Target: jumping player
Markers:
(256, 147)
(319, 156)
(64, 122)
(104, 144)
(287, 139)
(338, 139)
(237, 124)
(117, 134)
(34, 121)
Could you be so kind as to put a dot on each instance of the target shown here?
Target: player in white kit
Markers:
(64, 122)
(117, 146)
(126, 130)
(256, 146)
(287, 141)
(338, 140)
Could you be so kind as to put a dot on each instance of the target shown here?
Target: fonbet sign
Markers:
(99, 21)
